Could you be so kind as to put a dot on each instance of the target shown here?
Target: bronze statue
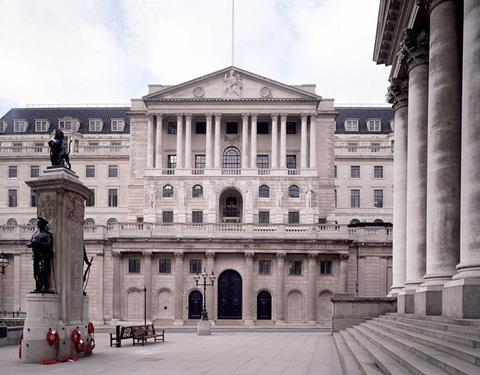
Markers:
(42, 248)
(59, 156)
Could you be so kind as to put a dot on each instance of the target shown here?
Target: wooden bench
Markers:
(136, 333)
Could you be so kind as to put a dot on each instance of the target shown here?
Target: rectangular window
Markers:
(264, 267)
(172, 127)
(264, 217)
(200, 161)
(200, 128)
(263, 162)
(41, 126)
(89, 171)
(335, 171)
(232, 128)
(19, 126)
(3, 126)
(34, 171)
(355, 198)
(116, 146)
(293, 217)
(38, 147)
(171, 161)
(17, 147)
(378, 171)
(375, 147)
(378, 198)
(352, 147)
(134, 265)
(374, 125)
(167, 216)
(113, 171)
(118, 125)
(12, 198)
(164, 266)
(291, 162)
(262, 128)
(90, 202)
(325, 267)
(355, 171)
(112, 197)
(197, 217)
(12, 171)
(295, 267)
(92, 147)
(195, 266)
(72, 125)
(33, 199)
(291, 127)
(351, 125)
(335, 198)
(95, 125)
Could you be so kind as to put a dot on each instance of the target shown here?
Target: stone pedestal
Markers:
(428, 300)
(203, 328)
(406, 301)
(461, 298)
(60, 201)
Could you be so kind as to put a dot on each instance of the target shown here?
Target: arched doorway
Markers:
(230, 295)
(231, 204)
(165, 304)
(295, 311)
(134, 304)
(325, 307)
(264, 305)
(195, 301)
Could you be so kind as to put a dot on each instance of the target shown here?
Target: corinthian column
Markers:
(313, 141)
(188, 141)
(280, 288)
(444, 128)
(158, 143)
(149, 140)
(283, 141)
(147, 280)
(253, 142)
(218, 118)
(208, 142)
(303, 142)
(312, 288)
(179, 141)
(398, 97)
(274, 162)
(459, 295)
(248, 288)
(244, 140)
(211, 293)
(178, 288)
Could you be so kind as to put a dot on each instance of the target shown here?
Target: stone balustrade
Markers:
(248, 172)
(43, 151)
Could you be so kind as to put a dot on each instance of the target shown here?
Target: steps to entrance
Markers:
(409, 344)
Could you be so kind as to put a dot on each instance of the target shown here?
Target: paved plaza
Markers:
(290, 353)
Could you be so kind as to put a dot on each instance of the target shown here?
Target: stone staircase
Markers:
(410, 344)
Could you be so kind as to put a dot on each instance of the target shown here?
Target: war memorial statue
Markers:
(42, 248)
(59, 155)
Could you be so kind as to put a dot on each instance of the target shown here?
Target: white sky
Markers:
(108, 51)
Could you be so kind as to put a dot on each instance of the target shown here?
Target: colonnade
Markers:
(213, 158)
(436, 245)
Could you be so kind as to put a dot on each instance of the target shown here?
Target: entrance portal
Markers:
(264, 306)
(230, 295)
(195, 300)
(231, 204)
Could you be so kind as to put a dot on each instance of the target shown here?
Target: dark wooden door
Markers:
(264, 306)
(230, 295)
(195, 301)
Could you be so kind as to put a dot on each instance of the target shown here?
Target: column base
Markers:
(461, 298)
(178, 323)
(394, 291)
(248, 323)
(203, 328)
(406, 301)
(428, 300)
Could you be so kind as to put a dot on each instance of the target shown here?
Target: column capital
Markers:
(249, 254)
(283, 116)
(343, 257)
(397, 93)
(150, 115)
(179, 116)
(208, 116)
(312, 256)
(178, 254)
(210, 254)
(147, 253)
(245, 116)
(218, 115)
(116, 254)
(304, 116)
(414, 48)
(254, 116)
(281, 255)
(274, 115)
(159, 115)
(188, 116)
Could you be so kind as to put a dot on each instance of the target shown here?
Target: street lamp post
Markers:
(204, 324)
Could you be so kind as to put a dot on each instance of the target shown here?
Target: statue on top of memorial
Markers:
(42, 248)
(59, 155)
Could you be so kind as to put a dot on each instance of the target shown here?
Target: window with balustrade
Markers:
(38, 147)
(264, 191)
(375, 147)
(263, 162)
(197, 217)
(167, 216)
(197, 191)
(291, 161)
(231, 158)
(200, 161)
(293, 217)
(352, 147)
(171, 161)
(264, 217)
(17, 147)
(294, 191)
(168, 191)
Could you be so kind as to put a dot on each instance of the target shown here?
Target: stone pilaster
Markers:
(245, 140)
(218, 134)
(188, 141)
(147, 281)
(280, 288)
(398, 97)
(283, 141)
(159, 142)
(211, 293)
(117, 287)
(178, 288)
(444, 133)
(253, 142)
(208, 142)
(343, 287)
(99, 288)
(249, 288)
(303, 142)
(312, 288)
(274, 161)
(461, 296)
(150, 119)
(179, 141)
(313, 142)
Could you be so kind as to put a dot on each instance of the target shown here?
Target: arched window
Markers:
(293, 191)
(112, 221)
(354, 221)
(197, 191)
(264, 191)
(231, 158)
(32, 221)
(89, 221)
(167, 191)
(11, 221)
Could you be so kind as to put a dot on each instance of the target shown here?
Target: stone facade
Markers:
(230, 172)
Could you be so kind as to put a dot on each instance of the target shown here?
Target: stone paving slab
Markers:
(285, 353)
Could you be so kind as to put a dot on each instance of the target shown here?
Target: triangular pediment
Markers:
(232, 84)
